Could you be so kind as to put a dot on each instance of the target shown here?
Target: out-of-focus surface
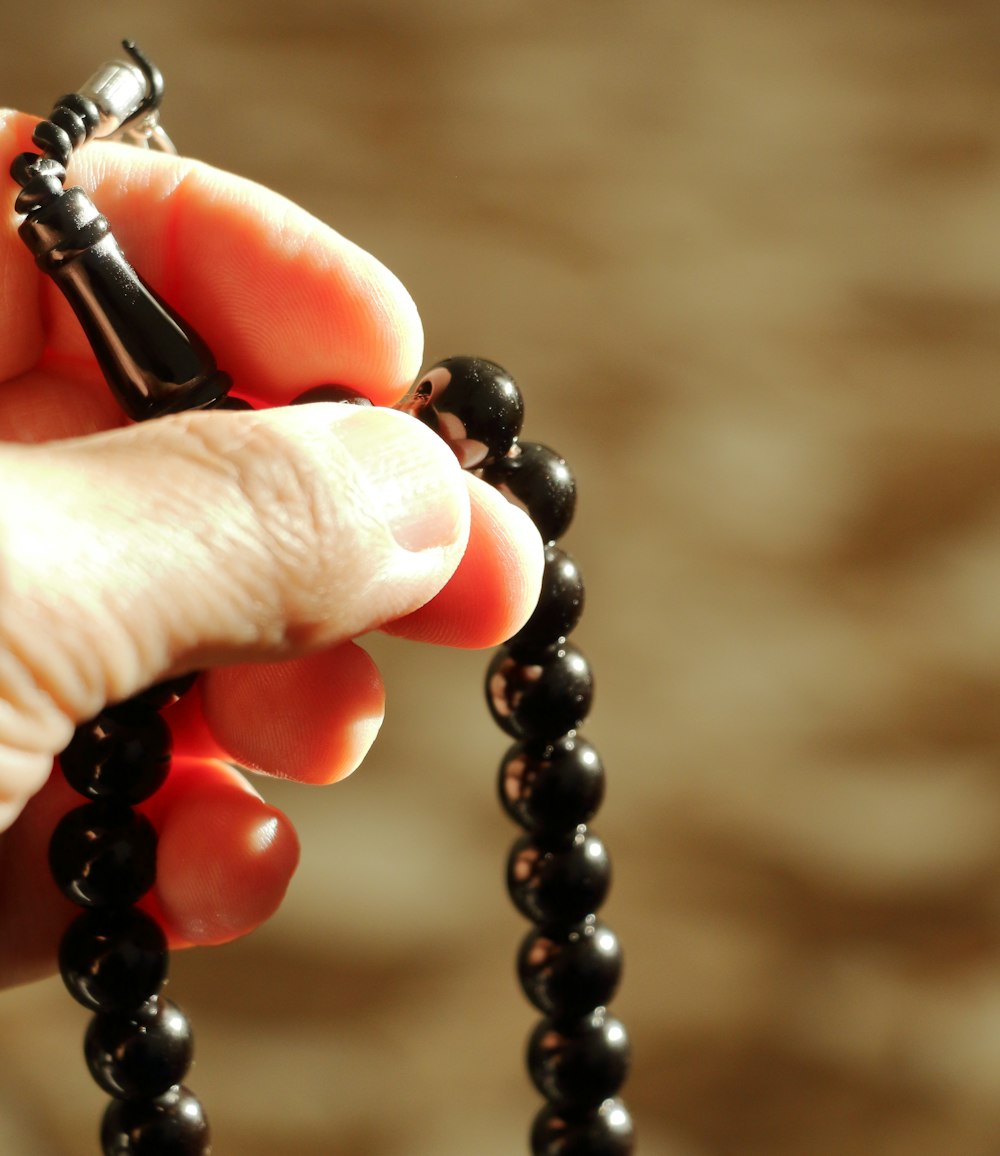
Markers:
(744, 256)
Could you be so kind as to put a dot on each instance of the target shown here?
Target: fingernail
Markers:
(414, 476)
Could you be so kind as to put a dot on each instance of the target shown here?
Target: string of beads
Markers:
(113, 957)
(551, 781)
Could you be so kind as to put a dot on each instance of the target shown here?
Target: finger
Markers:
(224, 861)
(44, 405)
(284, 302)
(224, 857)
(330, 520)
(312, 719)
(495, 587)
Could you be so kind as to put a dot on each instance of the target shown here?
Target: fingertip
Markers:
(314, 718)
(495, 587)
(225, 857)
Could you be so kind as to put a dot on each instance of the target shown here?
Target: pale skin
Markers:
(252, 546)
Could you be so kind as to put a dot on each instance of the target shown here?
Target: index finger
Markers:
(283, 301)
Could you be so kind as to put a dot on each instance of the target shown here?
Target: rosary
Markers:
(113, 957)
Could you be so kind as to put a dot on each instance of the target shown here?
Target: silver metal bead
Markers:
(118, 88)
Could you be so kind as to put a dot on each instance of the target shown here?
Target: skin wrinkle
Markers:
(44, 704)
(30, 719)
(69, 650)
(290, 516)
(202, 608)
(72, 673)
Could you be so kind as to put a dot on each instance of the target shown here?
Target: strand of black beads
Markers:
(113, 957)
(72, 122)
(551, 782)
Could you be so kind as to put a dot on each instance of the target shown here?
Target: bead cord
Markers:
(113, 957)
(539, 690)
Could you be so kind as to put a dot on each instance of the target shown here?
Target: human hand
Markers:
(255, 545)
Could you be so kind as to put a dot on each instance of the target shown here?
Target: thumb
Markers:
(202, 539)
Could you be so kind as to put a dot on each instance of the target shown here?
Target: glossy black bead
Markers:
(38, 191)
(559, 884)
(474, 404)
(71, 124)
(605, 1131)
(26, 166)
(173, 1124)
(582, 1065)
(113, 960)
(53, 141)
(567, 972)
(335, 393)
(560, 603)
(541, 696)
(84, 108)
(551, 786)
(103, 855)
(538, 480)
(139, 1055)
(161, 694)
(123, 754)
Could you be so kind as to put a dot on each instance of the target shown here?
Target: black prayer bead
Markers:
(568, 972)
(543, 695)
(139, 1055)
(538, 480)
(336, 393)
(84, 108)
(38, 191)
(113, 960)
(103, 855)
(53, 141)
(474, 404)
(582, 1065)
(173, 1124)
(71, 124)
(606, 1131)
(551, 786)
(122, 754)
(560, 603)
(26, 166)
(562, 884)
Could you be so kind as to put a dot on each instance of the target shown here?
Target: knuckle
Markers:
(280, 502)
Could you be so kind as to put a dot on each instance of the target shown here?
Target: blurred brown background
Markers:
(744, 257)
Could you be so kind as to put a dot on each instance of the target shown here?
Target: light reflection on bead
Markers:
(472, 403)
(544, 696)
(559, 884)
